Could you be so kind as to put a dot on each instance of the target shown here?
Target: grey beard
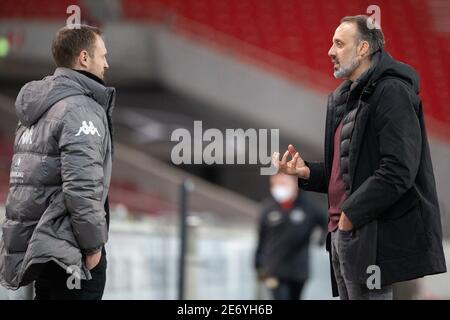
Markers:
(346, 71)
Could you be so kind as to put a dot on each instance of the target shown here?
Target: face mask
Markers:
(282, 193)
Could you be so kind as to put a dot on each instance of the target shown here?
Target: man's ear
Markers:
(83, 58)
(363, 49)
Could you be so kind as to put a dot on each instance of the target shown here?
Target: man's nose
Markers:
(331, 52)
(106, 65)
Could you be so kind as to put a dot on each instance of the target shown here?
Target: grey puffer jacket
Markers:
(60, 177)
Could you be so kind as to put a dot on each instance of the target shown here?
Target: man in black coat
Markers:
(286, 223)
(384, 221)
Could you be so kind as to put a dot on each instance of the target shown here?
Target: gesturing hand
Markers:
(296, 166)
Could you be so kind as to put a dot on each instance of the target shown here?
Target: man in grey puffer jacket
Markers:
(56, 222)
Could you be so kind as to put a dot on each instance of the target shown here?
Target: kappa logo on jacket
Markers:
(26, 136)
(87, 129)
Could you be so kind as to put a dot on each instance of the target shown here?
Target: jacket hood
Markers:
(387, 66)
(36, 97)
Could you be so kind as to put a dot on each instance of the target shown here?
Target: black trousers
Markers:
(52, 283)
(288, 290)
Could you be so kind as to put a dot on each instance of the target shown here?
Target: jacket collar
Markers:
(338, 96)
(91, 76)
(100, 93)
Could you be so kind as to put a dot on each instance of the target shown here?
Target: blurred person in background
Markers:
(383, 205)
(57, 212)
(286, 224)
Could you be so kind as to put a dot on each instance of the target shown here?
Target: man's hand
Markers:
(93, 260)
(344, 223)
(296, 166)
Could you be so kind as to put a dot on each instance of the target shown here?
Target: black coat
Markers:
(392, 200)
(284, 237)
